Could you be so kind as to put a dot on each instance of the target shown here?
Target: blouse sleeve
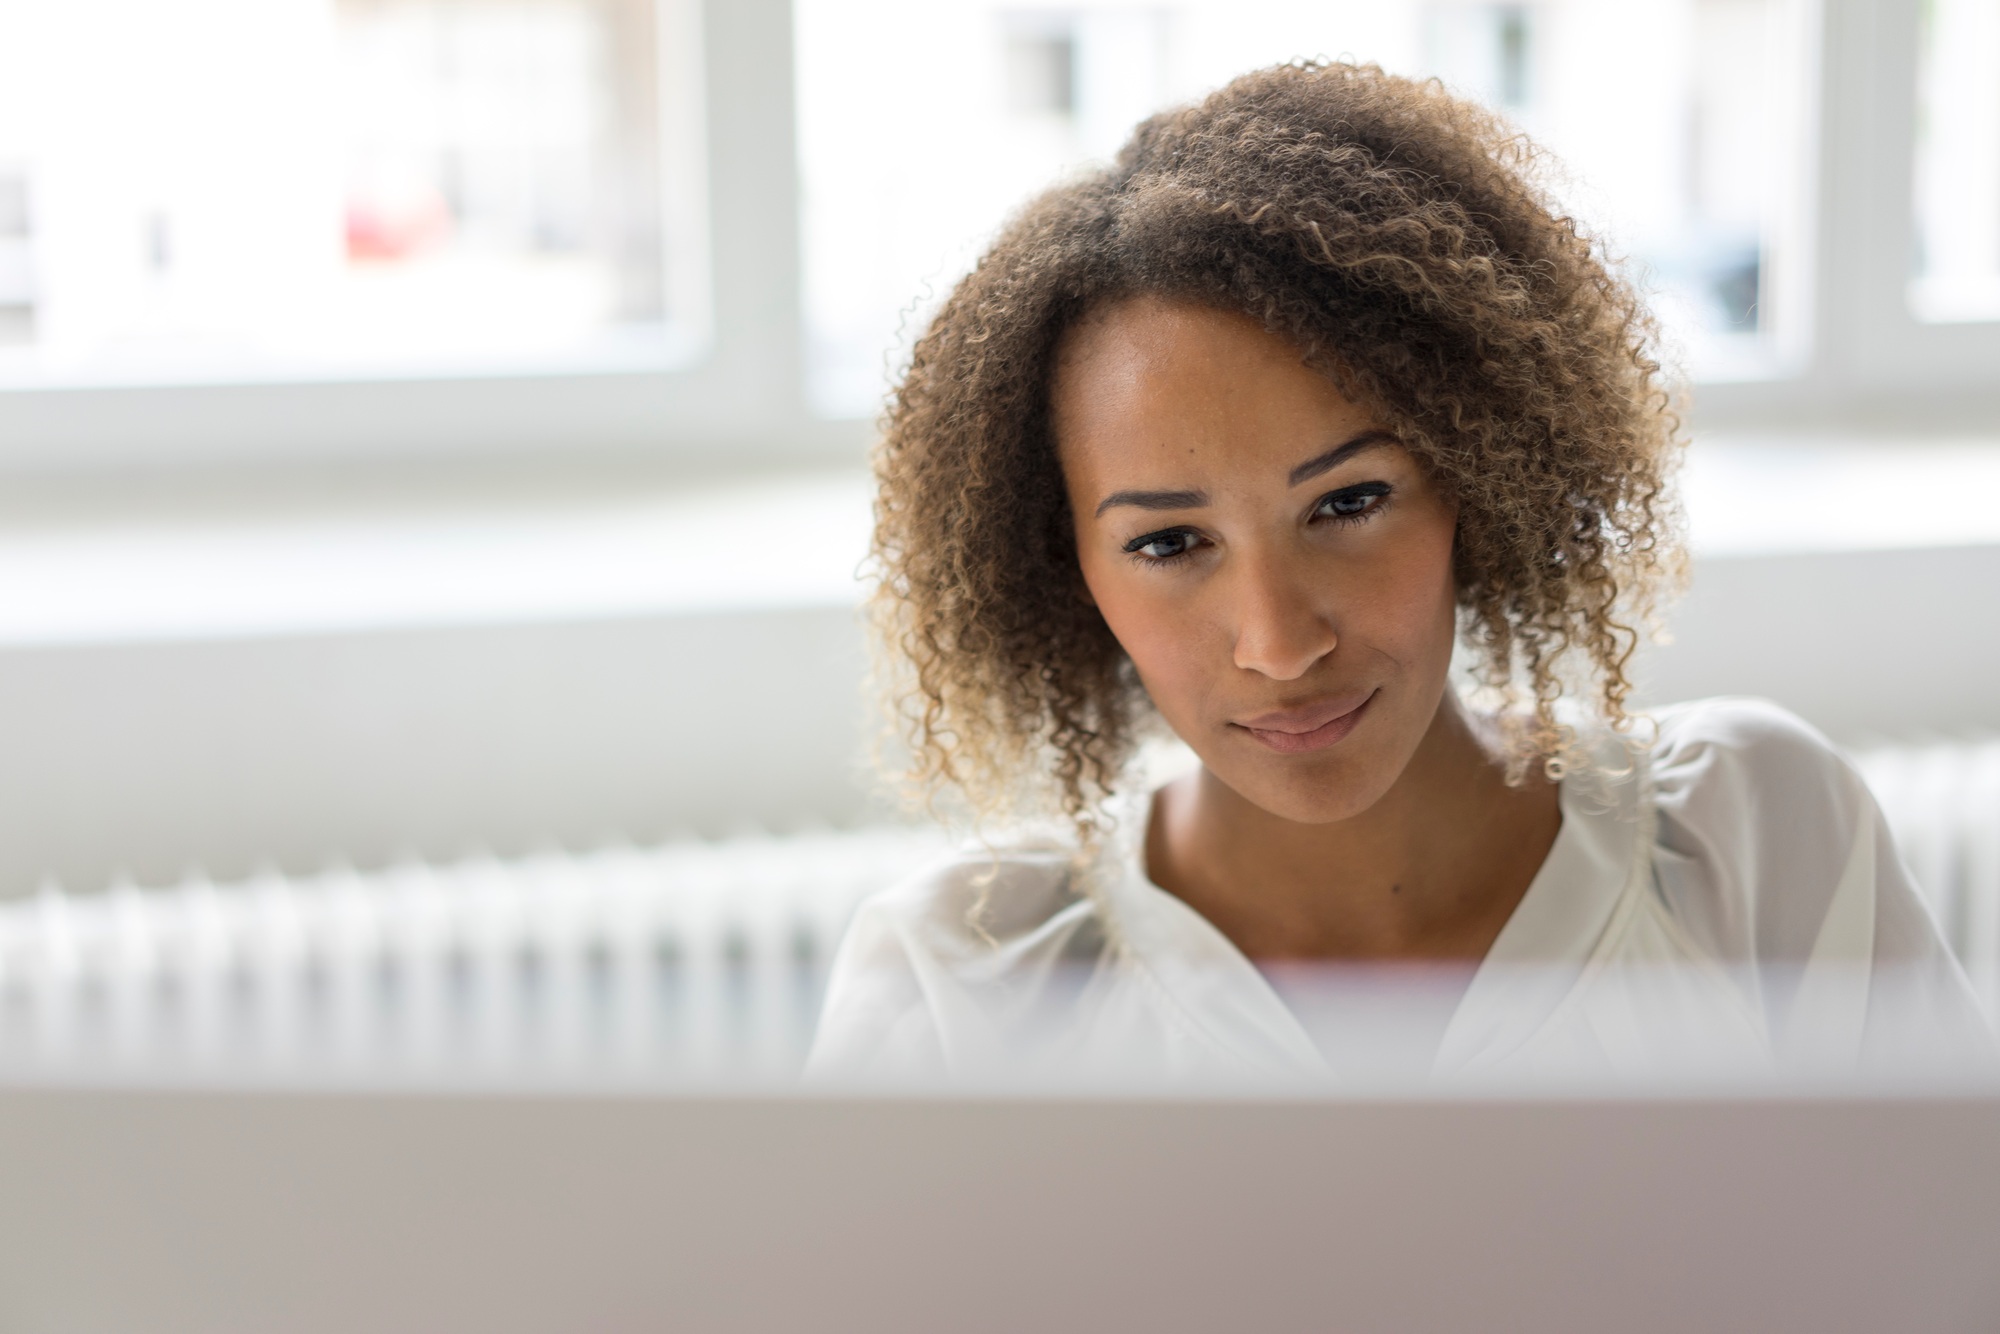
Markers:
(875, 1020)
(954, 971)
(1773, 853)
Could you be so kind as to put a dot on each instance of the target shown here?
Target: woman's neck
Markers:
(1432, 871)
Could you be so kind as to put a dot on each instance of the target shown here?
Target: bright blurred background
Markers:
(435, 430)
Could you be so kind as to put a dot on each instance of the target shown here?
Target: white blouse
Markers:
(1725, 899)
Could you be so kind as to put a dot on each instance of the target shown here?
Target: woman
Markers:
(1242, 435)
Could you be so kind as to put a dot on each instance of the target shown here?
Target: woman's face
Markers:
(1278, 567)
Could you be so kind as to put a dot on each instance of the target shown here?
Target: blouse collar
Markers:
(1545, 949)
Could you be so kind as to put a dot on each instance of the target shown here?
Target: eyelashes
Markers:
(1179, 543)
(1352, 504)
(1349, 505)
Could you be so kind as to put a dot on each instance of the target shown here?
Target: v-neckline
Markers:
(1542, 951)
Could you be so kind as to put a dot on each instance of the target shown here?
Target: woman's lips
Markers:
(1309, 727)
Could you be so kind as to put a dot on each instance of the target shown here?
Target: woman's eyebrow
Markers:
(1154, 500)
(1320, 463)
(1311, 468)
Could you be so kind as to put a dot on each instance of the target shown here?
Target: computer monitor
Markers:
(303, 1210)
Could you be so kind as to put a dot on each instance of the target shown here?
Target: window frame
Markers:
(742, 399)
(1863, 362)
(1858, 357)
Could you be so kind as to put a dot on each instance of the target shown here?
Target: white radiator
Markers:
(692, 959)
(688, 960)
(1943, 802)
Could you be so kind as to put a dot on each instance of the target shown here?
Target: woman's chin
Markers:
(1309, 793)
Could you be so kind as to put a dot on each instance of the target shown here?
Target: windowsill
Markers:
(790, 541)
(646, 350)
(1770, 495)
(793, 541)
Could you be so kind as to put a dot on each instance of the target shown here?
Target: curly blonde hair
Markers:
(1397, 236)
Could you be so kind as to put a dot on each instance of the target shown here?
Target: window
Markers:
(1682, 126)
(1958, 163)
(320, 230)
(253, 190)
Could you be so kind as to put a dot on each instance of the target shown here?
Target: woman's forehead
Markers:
(1150, 382)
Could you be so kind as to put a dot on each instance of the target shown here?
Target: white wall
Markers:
(1866, 645)
(301, 749)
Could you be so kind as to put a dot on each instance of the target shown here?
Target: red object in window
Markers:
(383, 230)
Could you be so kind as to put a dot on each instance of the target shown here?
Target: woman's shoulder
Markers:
(1771, 850)
(1740, 729)
(1760, 822)
(1753, 769)
(1753, 758)
(942, 944)
(979, 895)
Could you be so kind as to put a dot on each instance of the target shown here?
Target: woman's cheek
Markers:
(1414, 596)
(1166, 644)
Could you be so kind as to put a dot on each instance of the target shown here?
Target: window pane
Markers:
(923, 122)
(251, 189)
(1958, 162)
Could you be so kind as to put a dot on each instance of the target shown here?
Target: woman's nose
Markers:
(1280, 630)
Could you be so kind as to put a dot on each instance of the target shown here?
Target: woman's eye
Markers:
(1162, 546)
(1354, 501)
